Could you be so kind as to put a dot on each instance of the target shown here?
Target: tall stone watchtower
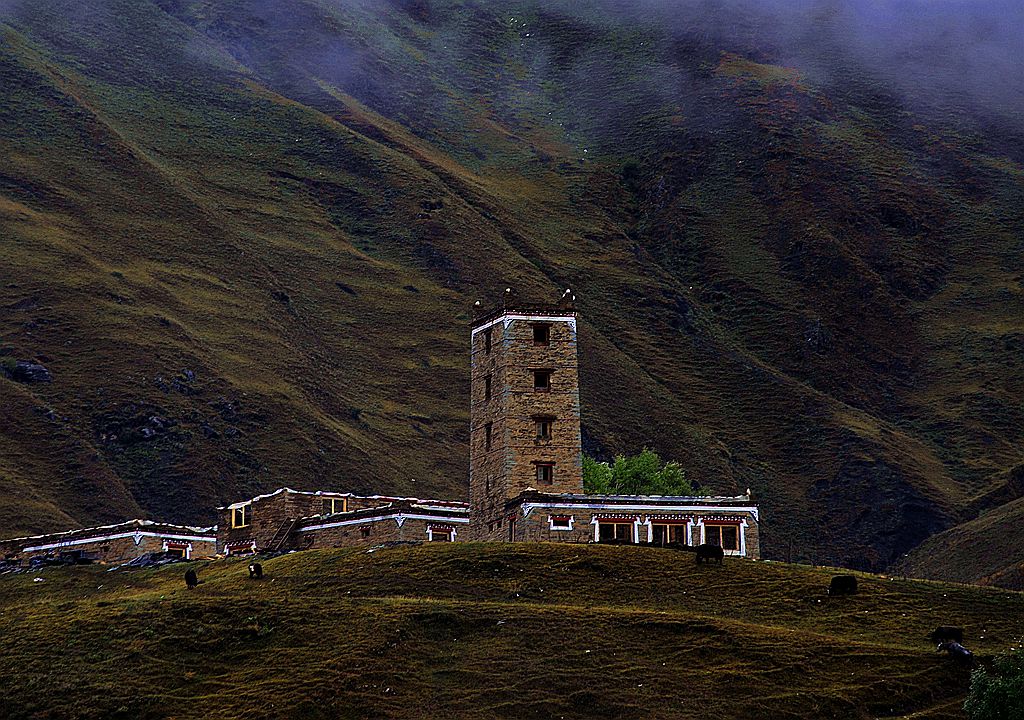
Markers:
(525, 409)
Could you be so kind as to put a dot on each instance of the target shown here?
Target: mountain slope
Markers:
(988, 550)
(475, 630)
(244, 238)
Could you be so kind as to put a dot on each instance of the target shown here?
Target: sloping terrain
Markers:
(244, 237)
(988, 550)
(475, 630)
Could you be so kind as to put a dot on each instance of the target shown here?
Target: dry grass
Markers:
(472, 630)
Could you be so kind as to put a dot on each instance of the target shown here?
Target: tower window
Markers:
(487, 483)
(487, 388)
(541, 380)
(544, 427)
(487, 341)
(545, 473)
(487, 435)
(541, 334)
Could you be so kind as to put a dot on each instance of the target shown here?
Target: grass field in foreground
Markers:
(481, 630)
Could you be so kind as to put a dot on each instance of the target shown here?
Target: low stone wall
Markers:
(332, 532)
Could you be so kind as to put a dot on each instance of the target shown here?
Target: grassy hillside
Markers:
(244, 236)
(988, 550)
(487, 631)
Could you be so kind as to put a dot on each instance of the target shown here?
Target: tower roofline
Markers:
(512, 305)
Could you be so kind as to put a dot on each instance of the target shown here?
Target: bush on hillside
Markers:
(642, 474)
(998, 694)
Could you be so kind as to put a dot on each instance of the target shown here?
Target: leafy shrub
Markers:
(998, 694)
(642, 474)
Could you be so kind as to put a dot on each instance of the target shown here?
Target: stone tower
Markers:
(524, 411)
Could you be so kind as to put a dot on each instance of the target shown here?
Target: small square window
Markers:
(545, 473)
(541, 380)
(440, 535)
(487, 388)
(488, 432)
(544, 427)
(487, 341)
(561, 522)
(541, 334)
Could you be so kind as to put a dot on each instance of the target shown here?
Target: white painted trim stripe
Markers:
(509, 317)
(377, 518)
(127, 523)
(326, 493)
(102, 538)
(751, 509)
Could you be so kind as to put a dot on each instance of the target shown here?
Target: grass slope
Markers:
(474, 630)
(810, 289)
(988, 550)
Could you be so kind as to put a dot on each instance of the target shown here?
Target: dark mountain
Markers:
(243, 238)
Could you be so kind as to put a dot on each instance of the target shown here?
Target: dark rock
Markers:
(27, 372)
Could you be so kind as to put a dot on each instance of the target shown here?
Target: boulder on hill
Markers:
(26, 372)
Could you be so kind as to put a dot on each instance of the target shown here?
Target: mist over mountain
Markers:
(244, 237)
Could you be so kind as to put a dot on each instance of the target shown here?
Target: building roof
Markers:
(326, 493)
(402, 507)
(147, 526)
(511, 304)
(678, 503)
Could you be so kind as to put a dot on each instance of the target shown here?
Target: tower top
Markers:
(512, 304)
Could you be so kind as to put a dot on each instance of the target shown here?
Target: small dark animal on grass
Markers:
(256, 571)
(947, 632)
(191, 579)
(843, 585)
(956, 651)
(709, 553)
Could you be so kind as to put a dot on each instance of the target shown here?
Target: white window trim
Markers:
(188, 549)
(430, 532)
(251, 549)
(651, 522)
(742, 552)
(636, 523)
(551, 524)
